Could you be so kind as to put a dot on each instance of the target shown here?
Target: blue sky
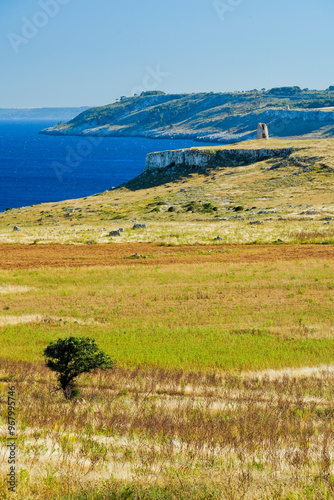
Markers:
(89, 52)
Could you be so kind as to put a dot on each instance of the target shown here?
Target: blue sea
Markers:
(38, 168)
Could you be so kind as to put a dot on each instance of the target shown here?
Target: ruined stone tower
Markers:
(262, 131)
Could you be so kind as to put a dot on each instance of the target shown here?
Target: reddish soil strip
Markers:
(53, 255)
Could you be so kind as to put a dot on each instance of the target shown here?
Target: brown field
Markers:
(34, 256)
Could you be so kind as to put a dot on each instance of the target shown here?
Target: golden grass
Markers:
(296, 196)
(250, 436)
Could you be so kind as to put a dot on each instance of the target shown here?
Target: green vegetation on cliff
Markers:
(286, 197)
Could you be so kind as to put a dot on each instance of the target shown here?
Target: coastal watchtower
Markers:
(262, 131)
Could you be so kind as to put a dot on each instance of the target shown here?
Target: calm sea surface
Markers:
(39, 168)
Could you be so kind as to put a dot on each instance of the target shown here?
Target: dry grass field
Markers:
(224, 347)
(151, 433)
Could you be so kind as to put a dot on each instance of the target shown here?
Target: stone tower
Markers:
(262, 131)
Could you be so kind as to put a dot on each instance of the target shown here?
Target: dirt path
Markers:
(35, 256)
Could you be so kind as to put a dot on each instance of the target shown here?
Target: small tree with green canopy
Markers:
(73, 356)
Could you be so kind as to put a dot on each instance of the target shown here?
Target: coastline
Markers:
(212, 138)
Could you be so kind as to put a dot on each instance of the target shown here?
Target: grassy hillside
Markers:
(224, 383)
(280, 199)
(210, 116)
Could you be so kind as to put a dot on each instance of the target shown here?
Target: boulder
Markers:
(139, 226)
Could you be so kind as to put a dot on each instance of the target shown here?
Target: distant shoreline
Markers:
(170, 137)
(211, 117)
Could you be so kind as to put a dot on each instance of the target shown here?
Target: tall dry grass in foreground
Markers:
(171, 434)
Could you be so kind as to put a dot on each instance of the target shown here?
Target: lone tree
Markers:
(72, 356)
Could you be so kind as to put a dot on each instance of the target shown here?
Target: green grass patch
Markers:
(181, 347)
(217, 315)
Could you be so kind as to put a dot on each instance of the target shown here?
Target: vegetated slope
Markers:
(284, 159)
(288, 197)
(219, 117)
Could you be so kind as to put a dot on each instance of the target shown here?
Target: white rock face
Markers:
(185, 157)
(208, 158)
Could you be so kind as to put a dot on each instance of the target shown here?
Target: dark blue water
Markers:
(39, 168)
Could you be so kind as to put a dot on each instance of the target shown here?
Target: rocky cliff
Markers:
(201, 158)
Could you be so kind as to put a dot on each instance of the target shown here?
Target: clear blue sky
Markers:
(89, 52)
